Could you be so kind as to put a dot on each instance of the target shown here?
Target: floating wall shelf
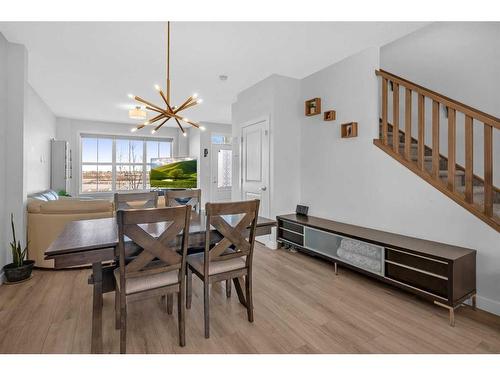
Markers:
(313, 107)
(329, 115)
(349, 130)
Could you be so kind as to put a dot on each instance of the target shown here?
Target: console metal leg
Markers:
(335, 268)
(473, 300)
(451, 312)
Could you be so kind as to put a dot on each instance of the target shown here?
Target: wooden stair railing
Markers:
(476, 194)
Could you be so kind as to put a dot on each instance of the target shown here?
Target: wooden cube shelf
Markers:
(329, 115)
(313, 107)
(349, 130)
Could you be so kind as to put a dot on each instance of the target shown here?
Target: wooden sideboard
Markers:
(441, 273)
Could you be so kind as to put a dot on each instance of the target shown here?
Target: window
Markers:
(219, 139)
(119, 163)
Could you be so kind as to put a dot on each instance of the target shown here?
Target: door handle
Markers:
(263, 188)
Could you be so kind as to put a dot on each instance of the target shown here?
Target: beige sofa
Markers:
(48, 214)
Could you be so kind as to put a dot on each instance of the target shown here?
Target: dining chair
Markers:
(174, 198)
(231, 258)
(159, 269)
(126, 201)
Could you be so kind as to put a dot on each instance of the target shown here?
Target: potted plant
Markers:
(20, 269)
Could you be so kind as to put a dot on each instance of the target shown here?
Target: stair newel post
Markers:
(488, 169)
(384, 111)
(408, 124)
(435, 139)
(469, 161)
(421, 131)
(451, 148)
(395, 117)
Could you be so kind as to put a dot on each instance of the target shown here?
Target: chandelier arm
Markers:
(192, 104)
(159, 126)
(139, 99)
(168, 61)
(165, 99)
(156, 110)
(183, 105)
(159, 117)
(193, 124)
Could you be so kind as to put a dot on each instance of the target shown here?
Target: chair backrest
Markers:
(156, 232)
(238, 231)
(127, 201)
(192, 197)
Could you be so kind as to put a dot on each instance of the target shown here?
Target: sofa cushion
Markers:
(75, 206)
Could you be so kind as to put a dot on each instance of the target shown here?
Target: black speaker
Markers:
(302, 210)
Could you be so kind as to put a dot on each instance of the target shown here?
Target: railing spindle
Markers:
(469, 159)
(408, 124)
(488, 169)
(421, 131)
(452, 130)
(395, 118)
(435, 139)
(384, 111)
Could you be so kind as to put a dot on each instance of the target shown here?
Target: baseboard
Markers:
(489, 305)
(2, 277)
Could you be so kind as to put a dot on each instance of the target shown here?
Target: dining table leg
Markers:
(96, 343)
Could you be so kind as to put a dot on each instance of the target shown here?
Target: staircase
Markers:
(475, 193)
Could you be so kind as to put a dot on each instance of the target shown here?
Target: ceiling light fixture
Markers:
(165, 111)
(137, 113)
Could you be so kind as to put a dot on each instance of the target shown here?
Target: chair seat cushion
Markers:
(197, 262)
(147, 282)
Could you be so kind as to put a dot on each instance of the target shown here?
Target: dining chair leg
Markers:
(249, 299)
(181, 307)
(117, 309)
(123, 325)
(189, 287)
(206, 308)
(170, 303)
(228, 288)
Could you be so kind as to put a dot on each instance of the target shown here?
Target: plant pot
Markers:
(15, 274)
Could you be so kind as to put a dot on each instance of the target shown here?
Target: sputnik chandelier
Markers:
(166, 112)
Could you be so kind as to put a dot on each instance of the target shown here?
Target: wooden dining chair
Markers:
(231, 258)
(174, 198)
(159, 269)
(126, 201)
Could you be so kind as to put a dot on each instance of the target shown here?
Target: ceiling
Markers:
(85, 70)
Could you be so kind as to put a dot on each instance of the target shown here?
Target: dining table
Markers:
(95, 241)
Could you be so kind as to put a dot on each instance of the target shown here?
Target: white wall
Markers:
(70, 129)
(3, 129)
(40, 128)
(13, 70)
(277, 98)
(352, 181)
(459, 60)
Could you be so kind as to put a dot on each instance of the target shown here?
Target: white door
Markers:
(255, 164)
(221, 173)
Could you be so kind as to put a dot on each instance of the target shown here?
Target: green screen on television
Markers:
(173, 173)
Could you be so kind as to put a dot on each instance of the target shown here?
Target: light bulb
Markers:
(133, 130)
(199, 101)
(153, 131)
(185, 119)
(202, 128)
(195, 95)
(184, 134)
(131, 96)
(146, 123)
(157, 87)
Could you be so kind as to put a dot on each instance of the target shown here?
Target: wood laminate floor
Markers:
(300, 307)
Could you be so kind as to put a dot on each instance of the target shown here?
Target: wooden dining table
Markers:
(95, 242)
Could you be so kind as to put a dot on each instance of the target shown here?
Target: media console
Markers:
(441, 273)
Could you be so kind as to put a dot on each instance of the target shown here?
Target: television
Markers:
(174, 173)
